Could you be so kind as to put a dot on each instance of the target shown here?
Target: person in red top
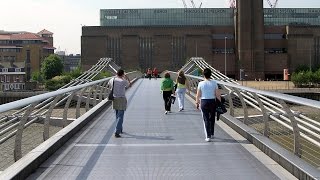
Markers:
(155, 73)
(149, 73)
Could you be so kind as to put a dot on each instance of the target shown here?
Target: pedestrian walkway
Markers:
(157, 146)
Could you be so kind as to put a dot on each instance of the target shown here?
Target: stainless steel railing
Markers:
(26, 123)
(291, 121)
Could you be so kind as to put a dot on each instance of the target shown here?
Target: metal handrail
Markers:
(273, 108)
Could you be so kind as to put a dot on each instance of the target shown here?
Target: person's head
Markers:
(207, 73)
(120, 72)
(167, 75)
(181, 73)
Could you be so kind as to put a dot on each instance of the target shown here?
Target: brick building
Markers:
(20, 54)
(261, 41)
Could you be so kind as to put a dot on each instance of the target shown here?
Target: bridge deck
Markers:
(157, 146)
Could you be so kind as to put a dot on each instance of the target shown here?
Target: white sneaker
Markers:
(208, 139)
(166, 112)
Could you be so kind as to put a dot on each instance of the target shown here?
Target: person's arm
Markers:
(126, 78)
(172, 86)
(161, 85)
(187, 86)
(218, 94)
(198, 96)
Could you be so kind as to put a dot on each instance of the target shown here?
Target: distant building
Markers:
(261, 41)
(70, 62)
(12, 76)
(60, 53)
(22, 53)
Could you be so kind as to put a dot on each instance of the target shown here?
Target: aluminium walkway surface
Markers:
(157, 146)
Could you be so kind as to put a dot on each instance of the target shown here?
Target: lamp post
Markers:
(288, 81)
(225, 55)
(310, 57)
(196, 48)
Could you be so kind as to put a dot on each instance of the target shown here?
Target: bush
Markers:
(102, 74)
(75, 73)
(57, 82)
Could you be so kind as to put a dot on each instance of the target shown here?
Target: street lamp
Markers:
(197, 48)
(225, 55)
(310, 56)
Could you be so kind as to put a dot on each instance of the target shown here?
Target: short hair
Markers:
(167, 75)
(207, 73)
(181, 73)
(120, 72)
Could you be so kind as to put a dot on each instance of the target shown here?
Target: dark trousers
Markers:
(167, 101)
(208, 108)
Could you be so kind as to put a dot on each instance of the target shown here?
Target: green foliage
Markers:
(36, 76)
(52, 66)
(76, 72)
(317, 77)
(302, 68)
(102, 74)
(306, 78)
(57, 82)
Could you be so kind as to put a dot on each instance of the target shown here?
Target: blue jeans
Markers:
(180, 94)
(119, 119)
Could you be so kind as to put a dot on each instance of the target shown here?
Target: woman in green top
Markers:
(167, 89)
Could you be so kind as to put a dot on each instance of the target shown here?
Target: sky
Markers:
(65, 18)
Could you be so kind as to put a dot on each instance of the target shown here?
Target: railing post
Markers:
(17, 149)
(244, 105)
(231, 108)
(46, 122)
(95, 94)
(79, 102)
(99, 91)
(265, 115)
(102, 95)
(88, 99)
(295, 128)
(66, 107)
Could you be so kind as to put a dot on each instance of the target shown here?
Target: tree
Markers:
(52, 66)
(36, 76)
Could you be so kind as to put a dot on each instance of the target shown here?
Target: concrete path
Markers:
(157, 146)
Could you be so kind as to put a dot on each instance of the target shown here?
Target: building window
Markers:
(275, 50)
(4, 69)
(274, 36)
(6, 87)
(18, 69)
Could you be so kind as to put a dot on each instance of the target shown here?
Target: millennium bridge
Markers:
(68, 133)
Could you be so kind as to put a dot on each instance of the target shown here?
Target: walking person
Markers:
(182, 85)
(167, 90)
(155, 73)
(207, 93)
(149, 73)
(119, 103)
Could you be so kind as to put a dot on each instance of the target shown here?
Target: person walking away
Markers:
(149, 73)
(167, 90)
(155, 73)
(182, 85)
(119, 104)
(207, 92)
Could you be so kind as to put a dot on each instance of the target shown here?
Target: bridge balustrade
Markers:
(292, 122)
(26, 123)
